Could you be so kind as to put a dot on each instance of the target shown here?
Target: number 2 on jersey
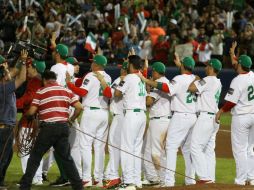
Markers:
(101, 90)
(190, 97)
(142, 89)
(217, 96)
(250, 93)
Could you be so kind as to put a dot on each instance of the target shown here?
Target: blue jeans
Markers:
(6, 142)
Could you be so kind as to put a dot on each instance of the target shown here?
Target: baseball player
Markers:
(116, 108)
(95, 92)
(183, 104)
(34, 70)
(240, 100)
(160, 114)
(205, 129)
(133, 92)
(61, 67)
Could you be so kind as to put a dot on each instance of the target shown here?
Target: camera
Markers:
(34, 51)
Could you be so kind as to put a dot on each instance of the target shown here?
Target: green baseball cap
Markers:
(189, 62)
(124, 65)
(72, 60)
(62, 50)
(245, 61)
(215, 63)
(2, 59)
(39, 65)
(100, 60)
(159, 67)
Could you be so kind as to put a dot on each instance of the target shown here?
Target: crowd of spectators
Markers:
(206, 24)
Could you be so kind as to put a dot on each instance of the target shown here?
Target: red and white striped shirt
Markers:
(53, 102)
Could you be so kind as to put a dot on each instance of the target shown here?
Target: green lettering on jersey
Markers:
(250, 93)
(217, 96)
(191, 98)
(101, 89)
(142, 88)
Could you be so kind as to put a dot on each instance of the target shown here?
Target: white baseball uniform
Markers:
(60, 69)
(134, 123)
(114, 137)
(183, 105)
(94, 121)
(241, 93)
(205, 129)
(160, 114)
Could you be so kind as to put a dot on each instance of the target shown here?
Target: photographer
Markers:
(8, 111)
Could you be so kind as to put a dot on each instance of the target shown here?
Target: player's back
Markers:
(116, 103)
(60, 69)
(209, 90)
(182, 100)
(134, 96)
(161, 106)
(241, 93)
(94, 97)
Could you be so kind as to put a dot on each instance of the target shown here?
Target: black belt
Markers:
(167, 117)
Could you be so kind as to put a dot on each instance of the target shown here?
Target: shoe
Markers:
(60, 182)
(44, 177)
(126, 187)
(37, 183)
(148, 182)
(112, 183)
(97, 183)
(204, 181)
(87, 183)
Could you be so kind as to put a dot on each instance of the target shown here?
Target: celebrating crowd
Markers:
(183, 111)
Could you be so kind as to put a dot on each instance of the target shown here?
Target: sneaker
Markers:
(126, 187)
(36, 183)
(204, 181)
(148, 182)
(97, 183)
(112, 183)
(60, 182)
(87, 183)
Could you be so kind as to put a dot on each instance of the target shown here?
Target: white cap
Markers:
(173, 21)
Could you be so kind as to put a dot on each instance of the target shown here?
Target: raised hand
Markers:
(23, 54)
(177, 60)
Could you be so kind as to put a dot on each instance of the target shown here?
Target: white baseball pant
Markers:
(95, 123)
(114, 138)
(134, 124)
(203, 145)
(157, 133)
(242, 136)
(179, 135)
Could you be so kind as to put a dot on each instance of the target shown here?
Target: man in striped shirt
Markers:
(52, 103)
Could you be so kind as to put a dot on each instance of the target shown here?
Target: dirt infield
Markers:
(223, 144)
(205, 187)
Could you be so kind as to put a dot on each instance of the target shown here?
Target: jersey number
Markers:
(217, 96)
(142, 89)
(101, 90)
(250, 93)
(190, 97)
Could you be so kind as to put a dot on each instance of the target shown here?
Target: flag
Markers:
(90, 42)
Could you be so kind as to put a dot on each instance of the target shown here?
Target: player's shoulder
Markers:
(163, 79)
(116, 81)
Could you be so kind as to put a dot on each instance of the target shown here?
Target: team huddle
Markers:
(183, 112)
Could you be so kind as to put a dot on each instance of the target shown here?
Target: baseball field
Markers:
(225, 169)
